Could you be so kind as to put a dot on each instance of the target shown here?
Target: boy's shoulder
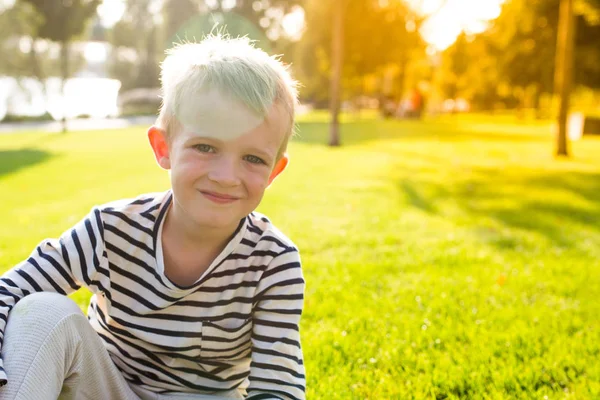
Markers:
(146, 208)
(259, 224)
(140, 203)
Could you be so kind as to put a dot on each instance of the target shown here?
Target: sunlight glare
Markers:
(111, 11)
(447, 19)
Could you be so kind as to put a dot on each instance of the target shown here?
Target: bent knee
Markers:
(52, 306)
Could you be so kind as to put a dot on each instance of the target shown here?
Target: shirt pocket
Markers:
(226, 340)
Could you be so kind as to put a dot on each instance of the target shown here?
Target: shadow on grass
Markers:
(548, 204)
(360, 130)
(14, 160)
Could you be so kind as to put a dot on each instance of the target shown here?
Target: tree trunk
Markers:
(37, 71)
(537, 103)
(564, 72)
(336, 73)
(64, 69)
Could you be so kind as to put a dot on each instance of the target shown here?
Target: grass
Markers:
(444, 259)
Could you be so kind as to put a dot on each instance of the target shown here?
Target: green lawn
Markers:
(444, 259)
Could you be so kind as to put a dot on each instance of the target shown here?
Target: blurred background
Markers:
(405, 58)
(450, 249)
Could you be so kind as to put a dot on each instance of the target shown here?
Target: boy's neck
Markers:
(189, 234)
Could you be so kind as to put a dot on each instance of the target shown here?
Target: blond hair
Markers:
(233, 67)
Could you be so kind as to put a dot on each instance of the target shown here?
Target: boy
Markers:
(195, 295)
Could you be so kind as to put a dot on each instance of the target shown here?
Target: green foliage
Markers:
(516, 55)
(21, 20)
(63, 20)
(444, 259)
(137, 50)
(375, 37)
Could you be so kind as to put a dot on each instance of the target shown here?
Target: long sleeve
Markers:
(277, 367)
(56, 265)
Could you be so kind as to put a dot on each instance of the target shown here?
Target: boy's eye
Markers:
(254, 159)
(204, 148)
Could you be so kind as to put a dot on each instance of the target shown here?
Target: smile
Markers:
(219, 198)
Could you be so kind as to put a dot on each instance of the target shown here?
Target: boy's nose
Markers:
(224, 172)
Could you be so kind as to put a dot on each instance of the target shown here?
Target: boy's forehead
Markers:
(212, 114)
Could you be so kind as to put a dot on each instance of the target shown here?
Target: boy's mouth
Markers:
(219, 198)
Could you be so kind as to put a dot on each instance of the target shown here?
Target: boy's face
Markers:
(217, 181)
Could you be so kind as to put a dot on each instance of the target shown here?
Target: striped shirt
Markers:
(236, 327)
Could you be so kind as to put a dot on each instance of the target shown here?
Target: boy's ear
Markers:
(158, 142)
(279, 167)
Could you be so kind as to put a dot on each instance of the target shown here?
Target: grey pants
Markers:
(51, 351)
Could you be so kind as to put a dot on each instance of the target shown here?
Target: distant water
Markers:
(95, 97)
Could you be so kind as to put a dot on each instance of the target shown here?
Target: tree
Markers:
(564, 72)
(377, 35)
(62, 21)
(17, 22)
(265, 14)
(176, 14)
(136, 48)
(337, 44)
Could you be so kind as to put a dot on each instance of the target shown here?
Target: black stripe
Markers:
(92, 237)
(289, 282)
(141, 282)
(169, 351)
(281, 392)
(142, 201)
(263, 396)
(134, 296)
(297, 296)
(159, 363)
(232, 286)
(157, 331)
(99, 224)
(129, 221)
(210, 322)
(209, 304)
(256, 253)
(268, 339)
(29, 279)
(279, 382)
(254, 228)
(48, 278)
(148, 213)
(126, 359)
(277, 242)
(64, 252)
(9, 282)
(229, 356)
(151, 209)
(9, 306)
(81, 255)
(223, 339)
(275, 324)
(248, 242)
(240, 270)
(134, 260)
(282, 311)
(59, 268)
(129, 239)
(271, 367)
(159, 219)
(149, 217)
(277, 354)
(281, 268)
